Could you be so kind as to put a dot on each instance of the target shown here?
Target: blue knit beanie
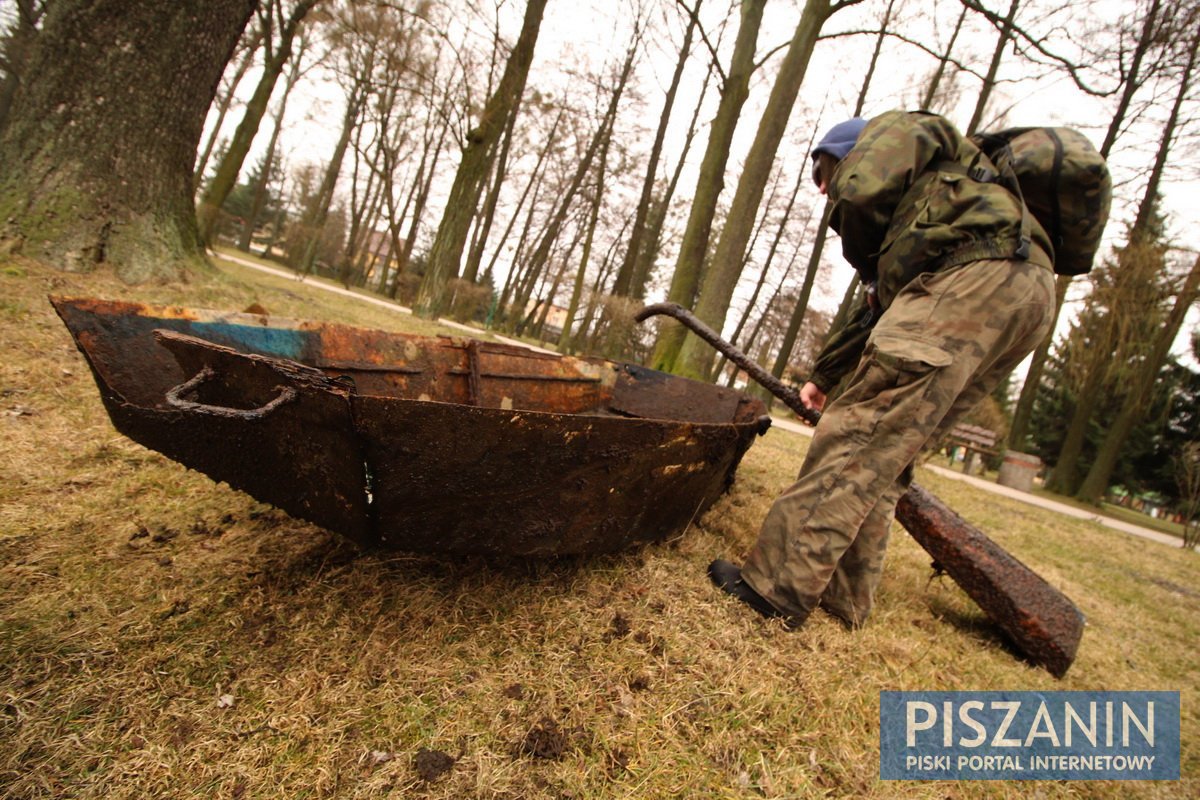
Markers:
(841, 138)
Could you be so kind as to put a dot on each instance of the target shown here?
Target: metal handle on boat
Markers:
(175, 398)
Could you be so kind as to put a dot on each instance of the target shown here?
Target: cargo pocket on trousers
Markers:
(891, 367)
(909, 356)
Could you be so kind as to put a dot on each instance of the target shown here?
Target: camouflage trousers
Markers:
(943, 344)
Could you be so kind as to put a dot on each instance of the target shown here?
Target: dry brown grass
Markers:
(165, 636)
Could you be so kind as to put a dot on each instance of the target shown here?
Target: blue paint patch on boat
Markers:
(278, 342)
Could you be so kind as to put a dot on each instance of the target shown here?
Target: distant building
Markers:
(556, 317)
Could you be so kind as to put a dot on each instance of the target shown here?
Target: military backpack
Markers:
(1063, 181)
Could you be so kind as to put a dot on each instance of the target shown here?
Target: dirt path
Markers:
(1024, 497)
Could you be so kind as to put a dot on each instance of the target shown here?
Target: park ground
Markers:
(165, 636)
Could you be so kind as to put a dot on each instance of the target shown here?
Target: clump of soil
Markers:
(619, 628)
(432, 764)
(546, 739)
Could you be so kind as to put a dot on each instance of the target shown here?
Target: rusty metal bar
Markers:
(513, 376)
(359, 366)
(1040, 620)
(787, 394)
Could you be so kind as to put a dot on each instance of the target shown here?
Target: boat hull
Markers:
(425, 444)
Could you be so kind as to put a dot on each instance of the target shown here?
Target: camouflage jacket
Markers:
(901, 212)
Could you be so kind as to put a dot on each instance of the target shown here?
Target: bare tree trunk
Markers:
(989, 81)
(516, 212)
(696, 357)
(452, 232)
(936, 80)
(1134, 80)
(688, 266)
(224, 100)
(658, 213)
(541, 308)
(801, 179)
(264, 179)
(585, 332)
(625, 275)
(362, 204)
(395, 218)
(231, 164)
(598, 143)
(414, 225)
(564, 341)
(329, 181)
(1064, 477)
(471, 271)
(520, 265)
(814, 260)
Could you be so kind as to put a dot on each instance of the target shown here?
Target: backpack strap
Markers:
(1005, 178)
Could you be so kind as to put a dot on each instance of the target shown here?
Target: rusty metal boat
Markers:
(427, 444)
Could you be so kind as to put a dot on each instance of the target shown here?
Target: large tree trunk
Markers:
(451, 237)
(98, 151)
(686, 279)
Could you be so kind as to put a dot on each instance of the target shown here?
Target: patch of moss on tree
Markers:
(76, 232)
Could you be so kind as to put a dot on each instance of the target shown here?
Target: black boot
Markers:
(728, 578)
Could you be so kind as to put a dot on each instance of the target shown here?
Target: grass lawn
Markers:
(164, 636)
